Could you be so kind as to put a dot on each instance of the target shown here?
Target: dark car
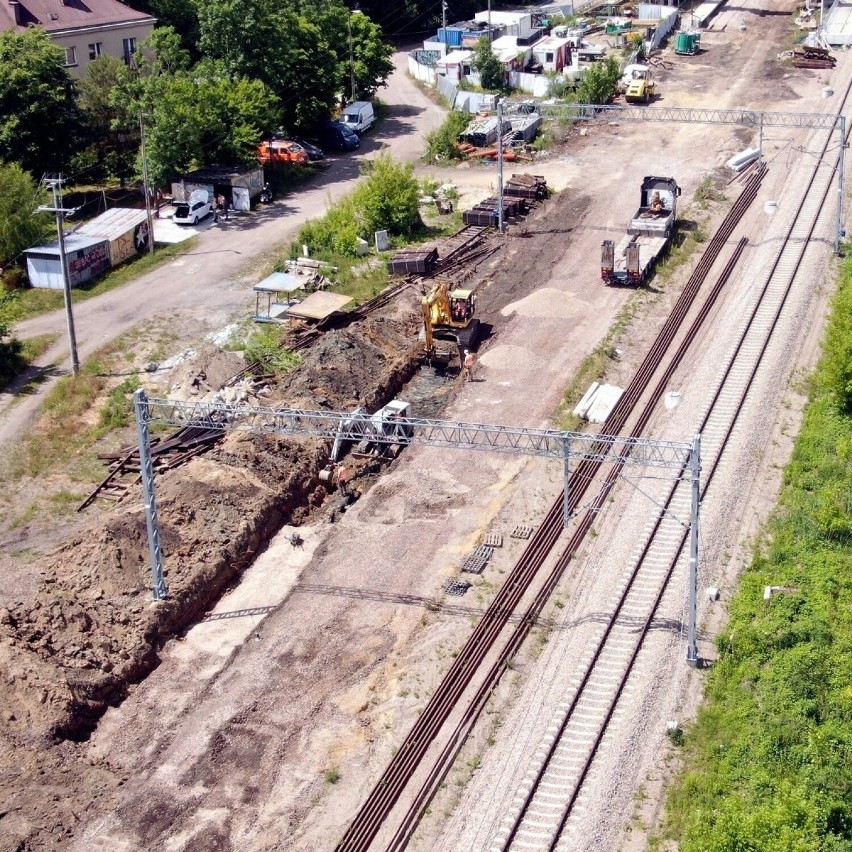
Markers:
(314, 151)
(335, 136)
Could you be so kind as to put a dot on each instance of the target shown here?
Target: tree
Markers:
(40, 119)
(492, 72)
(11, 362)
(371, 54)
(20, 195)
(200, 117)
(267, 41)
(598, 83)
(390, 197)
(111, 134)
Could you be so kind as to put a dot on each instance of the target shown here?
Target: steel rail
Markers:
(743, 391)
(363, 829)
(530, 617)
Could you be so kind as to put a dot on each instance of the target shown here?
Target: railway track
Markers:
(381, 801)
(541, 816)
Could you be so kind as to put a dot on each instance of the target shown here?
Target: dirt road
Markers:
(209, 283)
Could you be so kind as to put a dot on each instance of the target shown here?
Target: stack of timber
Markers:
(805, 56)
(411, 261)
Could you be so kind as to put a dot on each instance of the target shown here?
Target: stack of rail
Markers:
(125, 468)
(805, 56)
(486, 212)
(532, 187)
(413, 261)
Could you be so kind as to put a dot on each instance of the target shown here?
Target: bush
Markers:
(386, 200)
(492, 72)
(265, 346)
(598, 84)
(441, 144)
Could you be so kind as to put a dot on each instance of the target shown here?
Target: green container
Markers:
(687, 42)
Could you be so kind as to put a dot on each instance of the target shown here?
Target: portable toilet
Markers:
(687, 42)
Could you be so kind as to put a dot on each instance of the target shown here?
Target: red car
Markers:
(282, 151)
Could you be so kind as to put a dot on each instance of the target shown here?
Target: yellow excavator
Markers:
(449, 315)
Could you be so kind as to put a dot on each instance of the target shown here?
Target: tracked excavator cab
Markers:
(449, 315)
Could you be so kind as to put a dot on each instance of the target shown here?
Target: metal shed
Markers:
(86, 256)
(239, 184)
(125, 228)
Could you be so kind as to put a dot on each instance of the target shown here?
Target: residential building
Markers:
(85, 31)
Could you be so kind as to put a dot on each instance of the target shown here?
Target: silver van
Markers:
(358, 116)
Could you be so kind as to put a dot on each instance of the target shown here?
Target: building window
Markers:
(129, 49)
(70, 56)
(94, 50)
(548, 57)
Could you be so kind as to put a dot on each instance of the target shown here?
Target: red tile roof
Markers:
(58, 15)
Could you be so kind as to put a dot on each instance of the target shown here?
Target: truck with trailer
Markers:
(648, 236)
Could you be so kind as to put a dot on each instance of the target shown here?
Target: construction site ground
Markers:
(255, 708)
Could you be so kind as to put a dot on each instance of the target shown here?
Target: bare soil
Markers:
(224, 717)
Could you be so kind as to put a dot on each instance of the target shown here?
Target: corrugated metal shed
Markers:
(126, 229)
(86, 256)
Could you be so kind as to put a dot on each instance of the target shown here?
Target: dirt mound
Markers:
(93, 630)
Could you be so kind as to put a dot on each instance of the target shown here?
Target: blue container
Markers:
(450, 36)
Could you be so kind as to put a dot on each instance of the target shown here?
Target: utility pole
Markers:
(444, 12)
(500, 224)
(351, 53)
(490, 37)
(145, 187)
(55, 185)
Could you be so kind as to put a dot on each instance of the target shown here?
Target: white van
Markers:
(358, 116)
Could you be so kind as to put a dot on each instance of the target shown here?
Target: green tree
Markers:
(111, 135)
(598, 83)
(371, 54)
(200, 117)
(267, 41)
(11, 362)
(389, 198)
(20, 196)
(492, 72)
(40, 118)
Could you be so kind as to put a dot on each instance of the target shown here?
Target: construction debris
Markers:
(807, 56)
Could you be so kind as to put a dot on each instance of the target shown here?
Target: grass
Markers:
(77, 413)
(31, 349)
(34, 302)
(768, 762)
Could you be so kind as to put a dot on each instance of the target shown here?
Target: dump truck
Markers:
(648, 236)
(638, 84)
(448, 315)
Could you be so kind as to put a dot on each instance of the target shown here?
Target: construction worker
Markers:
(342, 480)
(468, 365)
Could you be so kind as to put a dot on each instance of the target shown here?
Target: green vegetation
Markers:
(265, 346)
(492, 72)
(441, 143)
(598, 84)
(387, 200)
(332, 776)
(20, 225)
(768, 763)
(11, 360)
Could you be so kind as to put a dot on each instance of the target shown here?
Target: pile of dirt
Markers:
(92, 630)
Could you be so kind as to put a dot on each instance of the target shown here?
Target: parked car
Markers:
(335, 136)
(193, 211)
(358, 116)
(314, 151)
(281, 151)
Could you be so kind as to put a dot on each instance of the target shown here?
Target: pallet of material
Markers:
(413, 261)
